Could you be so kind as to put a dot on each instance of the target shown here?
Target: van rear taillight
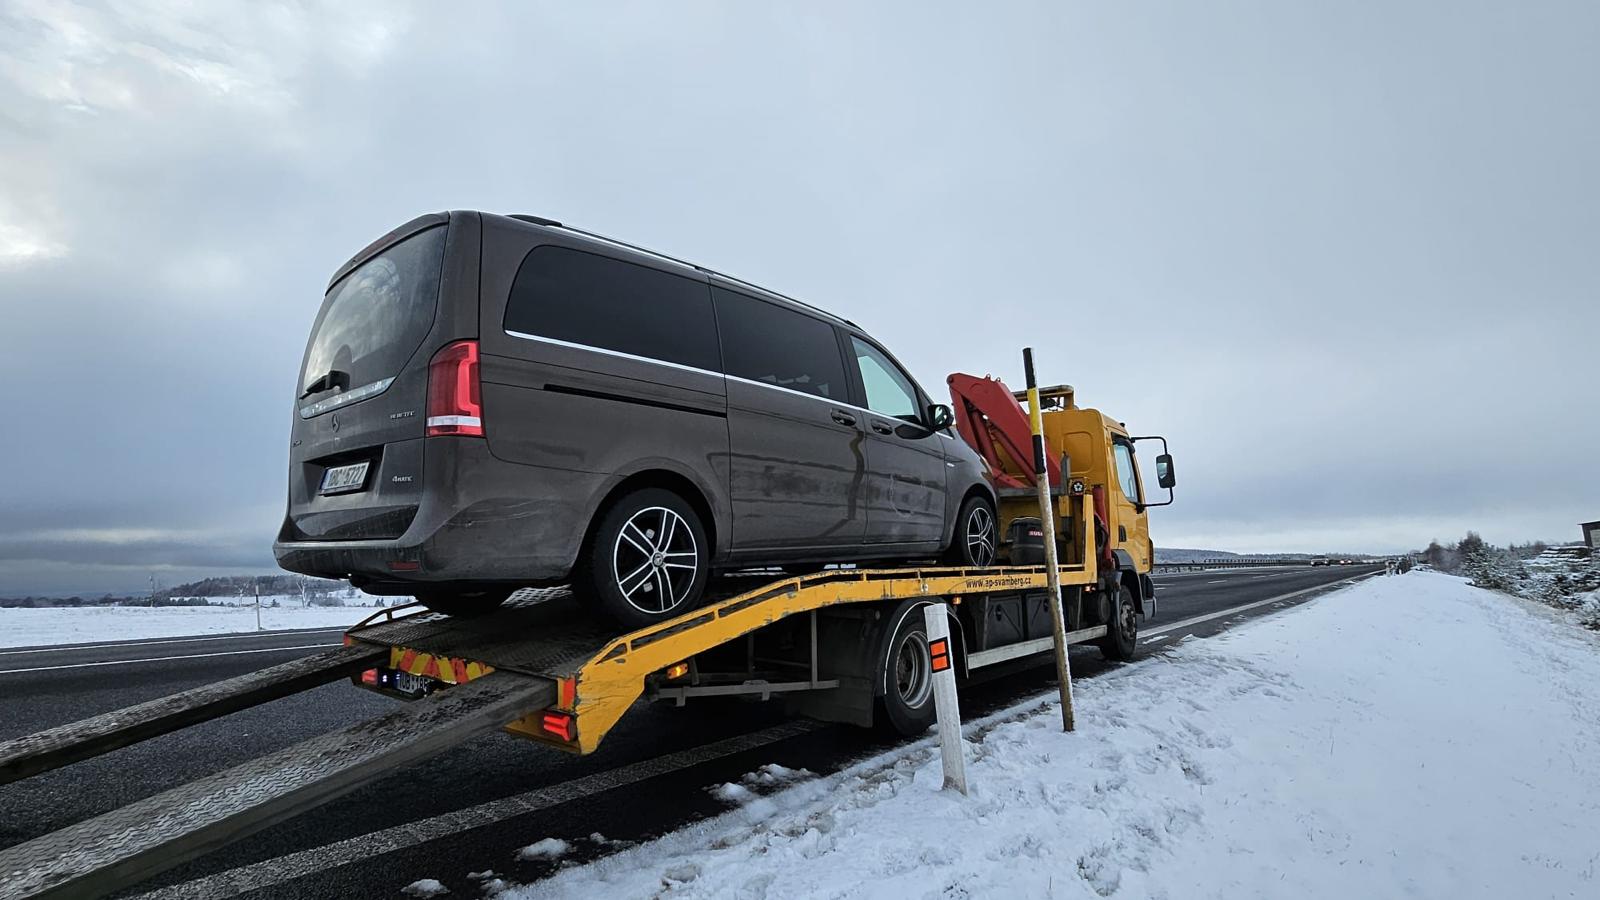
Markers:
(455, 404)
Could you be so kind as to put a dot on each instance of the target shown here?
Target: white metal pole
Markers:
(944, 697)
(258, 606)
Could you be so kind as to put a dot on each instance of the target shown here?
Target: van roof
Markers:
(646, 253)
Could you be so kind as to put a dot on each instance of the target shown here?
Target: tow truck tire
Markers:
(649, 544)
(976, 536)
(1122, 632)
(464, 604)
(903, 674)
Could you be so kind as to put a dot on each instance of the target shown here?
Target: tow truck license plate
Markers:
(344, 479)
(406, 683)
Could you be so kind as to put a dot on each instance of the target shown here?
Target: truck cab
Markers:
(1085, 449)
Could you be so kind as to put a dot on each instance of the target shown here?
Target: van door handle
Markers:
(881, 428)
(843, 418)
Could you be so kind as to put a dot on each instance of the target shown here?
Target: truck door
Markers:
(1130, 529)
(905, 471)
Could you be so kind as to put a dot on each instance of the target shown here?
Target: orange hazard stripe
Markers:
(445, 668)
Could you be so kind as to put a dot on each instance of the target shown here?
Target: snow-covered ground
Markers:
(1408, 736)
(94, 624)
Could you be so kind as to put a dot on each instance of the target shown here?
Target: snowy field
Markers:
(32, 627)
(1406, 737)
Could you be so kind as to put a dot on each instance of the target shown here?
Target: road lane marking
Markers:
(233, 636)
(1185, 623)
(1218, 581)
(129, 662)
(270, 872)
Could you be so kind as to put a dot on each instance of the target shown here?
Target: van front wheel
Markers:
(649, 559)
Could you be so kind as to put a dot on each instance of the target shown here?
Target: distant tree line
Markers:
(248, 585)
(102, 600)
(1474, 551)
(313, 591)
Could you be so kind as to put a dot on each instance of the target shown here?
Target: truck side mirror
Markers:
(1165, 476)
(940, 416)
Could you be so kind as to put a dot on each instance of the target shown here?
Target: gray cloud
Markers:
(1341, 256)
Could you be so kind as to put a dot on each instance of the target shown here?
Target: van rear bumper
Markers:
(481, 521)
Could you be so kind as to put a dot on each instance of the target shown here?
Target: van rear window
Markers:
(583, 298)
(373, 320)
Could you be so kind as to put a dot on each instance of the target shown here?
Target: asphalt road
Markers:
(471, 809)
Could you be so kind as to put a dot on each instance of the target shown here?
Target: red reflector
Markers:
(455, 404)
(370, 676)
(558, 724)
(404, 565)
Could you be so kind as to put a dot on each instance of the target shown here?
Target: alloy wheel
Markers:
(980, 536)
(655, 560)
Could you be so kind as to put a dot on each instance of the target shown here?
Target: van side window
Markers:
(587, 299)
(889, 391)
(768, 343)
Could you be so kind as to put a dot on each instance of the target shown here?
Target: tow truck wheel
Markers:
(1122, 632)
(649, 559)
(464, 603)
(977, 534)
(903, 678)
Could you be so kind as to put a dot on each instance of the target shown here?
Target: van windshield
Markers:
(371, 322)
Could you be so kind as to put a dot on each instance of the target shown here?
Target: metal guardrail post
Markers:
(944, 697)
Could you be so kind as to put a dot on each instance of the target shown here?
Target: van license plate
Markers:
(344, 479)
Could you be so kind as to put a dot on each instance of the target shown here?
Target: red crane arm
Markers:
(993, 423)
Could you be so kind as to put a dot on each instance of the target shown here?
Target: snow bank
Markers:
(93, 624)
(1406, 736)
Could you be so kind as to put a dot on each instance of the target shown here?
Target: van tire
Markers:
(1122, 633)
(903, 674)
(464, 604)
(628, 567)
(965, 549)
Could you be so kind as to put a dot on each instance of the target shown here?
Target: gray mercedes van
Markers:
(490, 402)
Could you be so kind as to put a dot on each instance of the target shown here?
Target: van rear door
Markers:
(356, 446)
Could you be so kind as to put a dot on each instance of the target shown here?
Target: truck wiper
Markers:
(333, 378)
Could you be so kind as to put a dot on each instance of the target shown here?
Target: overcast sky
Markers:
(1344, 255)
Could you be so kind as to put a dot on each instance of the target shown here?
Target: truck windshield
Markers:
(372, 321)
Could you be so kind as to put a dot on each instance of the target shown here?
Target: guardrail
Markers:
(1225, 564)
